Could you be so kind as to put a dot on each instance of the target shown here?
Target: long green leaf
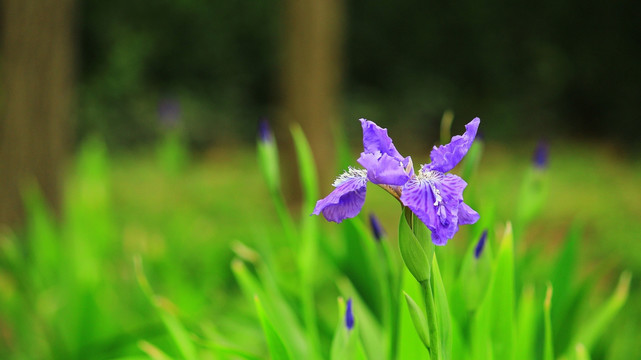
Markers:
(412, 251)
(418, 319)
(494, 331)
(548, 347)
(308, 252)
(527, 321)
(443, 311)
(371, 332)
(287, 326)
(275, 344)
(165, 310)
(600, 320)
(410, 345)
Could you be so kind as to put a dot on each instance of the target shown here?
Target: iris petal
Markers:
(383, 162)
(436, 198)
(445, 157)
(384, 169)
(467, 215)
(346, 200)
(375, 139)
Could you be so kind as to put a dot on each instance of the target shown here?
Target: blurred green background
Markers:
(138, 119)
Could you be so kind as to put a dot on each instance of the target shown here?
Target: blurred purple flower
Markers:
(480, 245)
(349, 315)
(540, 158)
(265, 131)
(377, 229)
(169, 112)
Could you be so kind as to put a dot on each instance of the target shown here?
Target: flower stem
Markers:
(435, 351)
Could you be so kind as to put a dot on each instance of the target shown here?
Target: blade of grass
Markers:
(548, 347)
(178, 333)
(442, 311)
(275, 344)
(599, 320)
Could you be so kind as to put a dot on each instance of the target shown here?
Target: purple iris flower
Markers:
(434, 196)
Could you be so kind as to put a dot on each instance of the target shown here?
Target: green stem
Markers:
(435, 350)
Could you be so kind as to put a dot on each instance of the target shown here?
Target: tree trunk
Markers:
(311, 83)
(37, 57)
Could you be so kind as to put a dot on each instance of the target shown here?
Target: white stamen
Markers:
(351, 173)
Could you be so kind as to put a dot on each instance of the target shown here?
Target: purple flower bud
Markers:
(264, 131)
(540, 158)
(478, 250)
(349, 315)
(377, 229)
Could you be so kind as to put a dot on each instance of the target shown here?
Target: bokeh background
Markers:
(143, 115)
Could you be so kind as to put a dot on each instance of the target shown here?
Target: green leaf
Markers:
(309, 235)
(346, 344)
(228, 350)
(364, 264)
(528, 317)
(494, 324)
(442, 311)
(287, 326)
(412, 252)
(166, 311)
(599, 321)
(268, 163)
(548, 347)
(371, 333)
(152, 351)
(581, 353)
(562, 278)
(309, 180)
(418, 319)
(410, 345)
(275, 344)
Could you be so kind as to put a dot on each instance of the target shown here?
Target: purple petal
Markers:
(347, 199)
(435, 198)
(384, 169)
(375, 139)
(445, 157)
(383, 162)
(467, 215)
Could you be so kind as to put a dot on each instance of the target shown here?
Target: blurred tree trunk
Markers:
(37, 58)
(311, 84)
